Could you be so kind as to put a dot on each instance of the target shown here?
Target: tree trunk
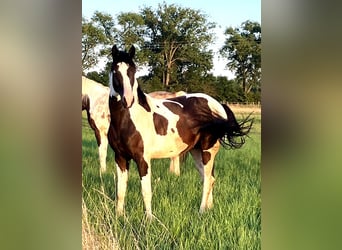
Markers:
(164, 69)
(168, 70)
(244, 80)
(168, 61)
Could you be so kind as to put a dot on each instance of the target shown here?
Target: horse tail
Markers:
(235, 132)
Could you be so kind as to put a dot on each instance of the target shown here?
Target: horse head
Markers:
(122, 76)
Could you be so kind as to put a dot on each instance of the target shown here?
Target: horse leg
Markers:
(174, 165)
(197, 156)
(204, 161)
(122, 167)
(208, 157)
(144, 168)
(103, 152)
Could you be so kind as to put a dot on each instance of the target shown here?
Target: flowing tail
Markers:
(235, 132)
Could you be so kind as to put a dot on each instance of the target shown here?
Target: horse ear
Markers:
(131, 51)
(115, 51)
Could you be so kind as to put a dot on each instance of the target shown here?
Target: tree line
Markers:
(173, 45)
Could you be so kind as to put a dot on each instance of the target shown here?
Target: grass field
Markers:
(233, 223)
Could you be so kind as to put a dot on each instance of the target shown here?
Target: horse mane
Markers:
(143, 100)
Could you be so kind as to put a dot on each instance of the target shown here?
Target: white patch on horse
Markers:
(112, 90)
(128, 91)
(122, 186)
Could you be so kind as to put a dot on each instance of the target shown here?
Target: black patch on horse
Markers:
(206, 157)
(160, 124)
(85, 102)
(124, 138)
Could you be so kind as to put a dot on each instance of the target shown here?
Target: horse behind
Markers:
(95, 101)
(143, 128)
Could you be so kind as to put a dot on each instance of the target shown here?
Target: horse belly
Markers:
(165, 147)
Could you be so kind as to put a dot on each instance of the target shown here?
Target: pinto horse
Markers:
(143, 128)
(95, 102)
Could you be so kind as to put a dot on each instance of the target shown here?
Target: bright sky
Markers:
(224, 13)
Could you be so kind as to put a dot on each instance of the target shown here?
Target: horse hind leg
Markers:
(208, 157)
(174, 165)
(204, 160)
(197, 156)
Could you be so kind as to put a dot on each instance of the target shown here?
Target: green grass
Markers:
(233, 223)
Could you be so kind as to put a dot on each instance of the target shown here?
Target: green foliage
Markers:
(97, 36)
(100, 77)
(175, 40)
(151, 83)
(243, 50)
(233, 223)
(229, 90)
(131, 29)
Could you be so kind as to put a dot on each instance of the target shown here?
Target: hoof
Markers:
(120, 213)
(149, 216)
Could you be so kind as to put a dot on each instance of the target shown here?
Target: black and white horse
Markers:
(95, 103)
(143, 128)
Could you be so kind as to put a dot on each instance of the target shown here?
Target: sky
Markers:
(224, 13)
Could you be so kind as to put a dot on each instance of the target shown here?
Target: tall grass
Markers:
(233, 223)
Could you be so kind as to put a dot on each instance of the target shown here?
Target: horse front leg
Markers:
(103, 152)
(144, 167)
(122, 167)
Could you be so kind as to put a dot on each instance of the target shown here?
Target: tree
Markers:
(100, 77)
(243, 49)
(175, 41)
(98, 34)
(132, 29)
(229, 90)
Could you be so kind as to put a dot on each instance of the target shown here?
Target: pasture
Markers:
(233, 223)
